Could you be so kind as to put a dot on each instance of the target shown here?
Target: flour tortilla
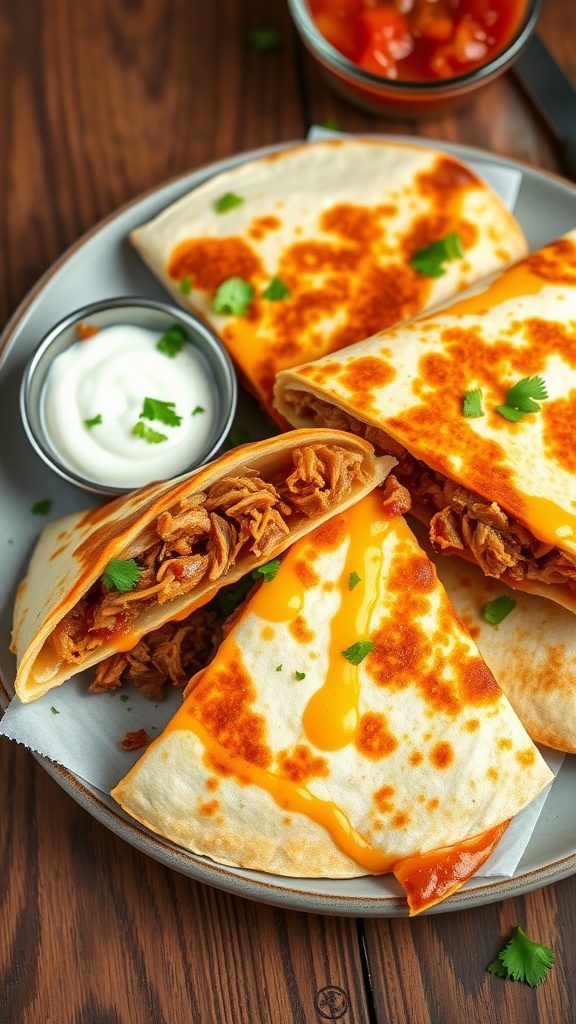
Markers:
(287, 758)
(409, 383)
(338, 222)
(73, 552)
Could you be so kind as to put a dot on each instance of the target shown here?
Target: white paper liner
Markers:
(82, 731)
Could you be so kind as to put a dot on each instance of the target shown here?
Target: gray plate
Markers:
(100, 265)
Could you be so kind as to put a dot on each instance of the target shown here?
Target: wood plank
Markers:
(435, 966)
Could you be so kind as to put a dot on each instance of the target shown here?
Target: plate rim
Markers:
(202, 869)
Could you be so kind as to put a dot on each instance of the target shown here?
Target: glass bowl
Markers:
(396, 98)
(199, 355)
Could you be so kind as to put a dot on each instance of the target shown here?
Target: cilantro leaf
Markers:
(198, 409)
(94, 421)
(430, 261)
(231, 596)
(278, 668)
(276, 290)
(268, 571)
(514, 415)
(354, 580)
(147, 433)
(41, 508)
(54, 710)
(121, 574)
(154, 409)
(523, 960)
(233, 296)
(521, 394)
(472, 405)
(227, 202)
(185, 285)
(263, 40)
(300, 676)
(498, 609)
(170, 344)
(358, 651)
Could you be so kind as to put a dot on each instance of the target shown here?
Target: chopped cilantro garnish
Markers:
(197, 410)
(231, 596)
(331, 123)
(472, 405)
(233, 297)
(263, 40)
(41, 508)
(276, 290)
(278, 668)
(170, 344)
(523, 960)
(94, 421)
(358, 651)
(185, 285)
(354, 580)
(497, 610)
(430, 261)
(300, 676)
(124, 697)
(268, 571)
(227, 202)
(520, 398)
(148, 434)
(154, 409)
(54, 710)
(121, 574)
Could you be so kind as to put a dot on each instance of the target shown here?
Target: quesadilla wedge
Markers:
(496, 482)
(99, 580)
(346, 726)
(309, 249)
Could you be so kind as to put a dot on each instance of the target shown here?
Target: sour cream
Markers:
(94, 399)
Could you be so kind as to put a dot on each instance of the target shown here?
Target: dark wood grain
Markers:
(99, 101)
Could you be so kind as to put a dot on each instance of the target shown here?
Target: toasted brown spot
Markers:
(442, 755)
(330, 535)
(383, 799)
(492, 774)
(260, 226)
(472, 725)
(416, 758)
(373, 738)
(209, 808)
(558, 419)
(267, 633)
(300, 630)
(304, 572)
(210, 261)
(433, 804)
(505, 744)
(400, 820)
(526, 757)
(212, 784)
(301, 764)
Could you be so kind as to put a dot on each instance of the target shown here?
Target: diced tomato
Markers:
(388, 40)
(347, 37)
(469, 41)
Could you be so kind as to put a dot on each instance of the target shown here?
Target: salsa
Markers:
(418, 40)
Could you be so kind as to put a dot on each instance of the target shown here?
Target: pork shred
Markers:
(197, 543)
(461, 520)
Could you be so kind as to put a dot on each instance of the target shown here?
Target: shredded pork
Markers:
(197, 543)
(461, 520)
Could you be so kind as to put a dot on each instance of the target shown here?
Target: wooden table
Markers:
(99, 101)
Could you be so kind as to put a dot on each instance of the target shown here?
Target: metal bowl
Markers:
(133, 311)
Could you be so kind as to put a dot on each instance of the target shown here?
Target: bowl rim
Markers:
(220, 367)
(336, 62)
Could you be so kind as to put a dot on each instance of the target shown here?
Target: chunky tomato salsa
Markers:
(418, 40)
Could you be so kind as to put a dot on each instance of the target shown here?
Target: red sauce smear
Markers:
(418, 40)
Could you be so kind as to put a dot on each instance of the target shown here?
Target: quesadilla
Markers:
(477, 403)
(99, 580)
(346, 726)
(531, 652)
(310, 249)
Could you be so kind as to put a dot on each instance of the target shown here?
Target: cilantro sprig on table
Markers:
(430, 261)
(263, 40)
(523, 960)
(121, 574)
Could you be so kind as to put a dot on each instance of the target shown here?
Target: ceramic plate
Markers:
(101, 265)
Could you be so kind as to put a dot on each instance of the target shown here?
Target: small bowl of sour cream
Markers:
(127, 391)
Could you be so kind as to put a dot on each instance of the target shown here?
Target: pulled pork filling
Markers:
(197, 542)
(461, 520)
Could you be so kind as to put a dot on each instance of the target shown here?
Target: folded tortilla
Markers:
(347, 725)
(188, 537)
(498, 492)
(338, 223)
